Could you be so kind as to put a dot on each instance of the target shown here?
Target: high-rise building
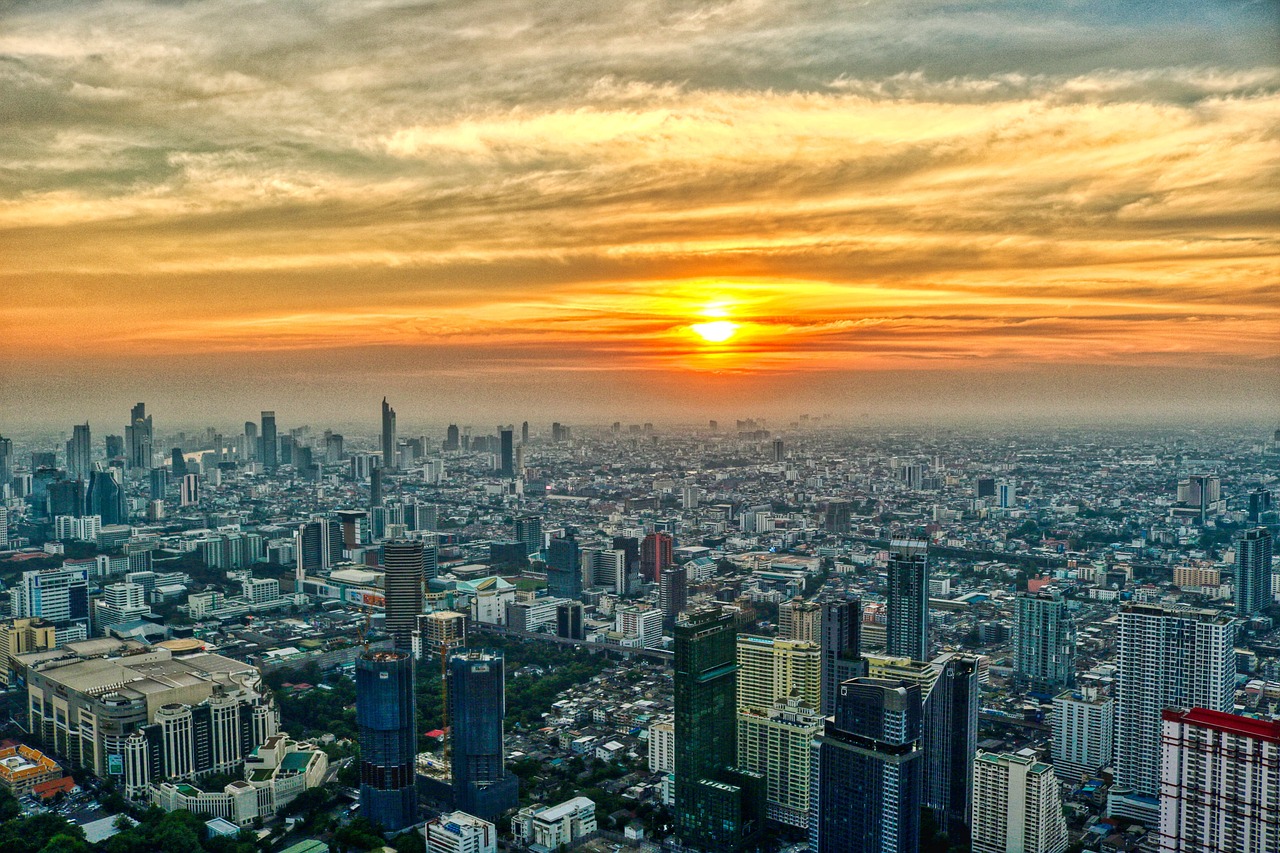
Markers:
(777, 698)
(528, 530)
(269, 451)
(1017, 806)
(190, 490)
(375, 487)
(1220, 783)
(386, 717)
(569, 622)
(388, 435)
(139, 435)
(800, 620)
(402, 562)
(250, 447)
(4, 527)
(951, 740)
(673, 592)
(716, 805)
(841, 655)
(1253, 572)
(67, 497)
(56, 595)
(655, 555)
(79, 453)
(120, 602)
(477, 704)
(451, 441)
(506, 463)
(1083, 726)
(524, 433)
(1168, 658)
(105, 497)
(113, 447)
(1044, 641)
(317, 546)
(178, 462)
(564, 568)
(908, 599)
(159, 485)
(868, 774)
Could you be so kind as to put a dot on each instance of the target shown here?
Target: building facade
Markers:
(386, 718)
(907, 634)
(1017, 806)
(1044, 641)
(482, 786)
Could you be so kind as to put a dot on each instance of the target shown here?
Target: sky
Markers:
(499, 209)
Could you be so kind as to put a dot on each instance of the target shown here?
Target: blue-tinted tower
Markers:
(385, 715)
(564, 568)
(477, 703)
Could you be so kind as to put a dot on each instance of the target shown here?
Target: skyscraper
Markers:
(388, 436)
(524, 433)
(178, 462)
(318, 546)
(799, 619)
(250, 449)
(1253, 572)
(715, 805)
(867, 788)
(451, 441)
(386, 717)
(506, 465)
(189, 494)
(1220, 787)
(951, 740)
(105, 497)
(655, 555)
(564, 568)
(673, 592)
(528, 530)
(477, 704)
(841, 631)
(1044, 641)
(159, 485)
(402, 561)
(1017, 807)
(1083, 727)
(1169, 658)
(268, 453)
(375, 487)
(139, 436)
(79, 453)
(113, 446)
(908, 599)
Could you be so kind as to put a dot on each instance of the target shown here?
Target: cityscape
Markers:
(656, 426)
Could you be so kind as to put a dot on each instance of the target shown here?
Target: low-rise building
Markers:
(22, 768)
(460, 832)
(549, 827)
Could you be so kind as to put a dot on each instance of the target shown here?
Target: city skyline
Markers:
(892, 209)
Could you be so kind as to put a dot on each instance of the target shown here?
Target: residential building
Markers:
(1253, 572)
(841, 623)
(1016, 807)
(1044, 641)
(908, 599)
(554, 827)
(1083, 726)
(662, 747)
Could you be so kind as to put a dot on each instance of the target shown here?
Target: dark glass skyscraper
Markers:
(387, 722)
(717, 807)
(79, 453)
(951, 741)
(564, 568)
(106, 498)
(908, 630)
(1253, 572)
(268, 452)
(402, 561)
(673, 592)
(477, 703)
(528, 530)
(388, 436)
(841, 648)
(506, 464)
(868, 774)
(138, 434)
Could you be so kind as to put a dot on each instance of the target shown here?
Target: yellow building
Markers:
(19, 636)
(770, 669)
(22, 768)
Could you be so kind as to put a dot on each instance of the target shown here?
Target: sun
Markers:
(716, 332)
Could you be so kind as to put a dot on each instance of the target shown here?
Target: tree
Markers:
(64, 843)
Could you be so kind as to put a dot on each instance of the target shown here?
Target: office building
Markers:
(402, 562)
(506, 459)
(60, 595)
(1017, 807)
(1220, 783)
(269, 444)
(951, 740)
(19, 636)
(459, 832)
(477, 705)
(1083, 727)
(868, 774)
(451, 440)
(656, 551)
(841, 632)
(79, 453)
(1253, 572)
(554, 827)
(1168, 658)
(120, 602)
(438, 632)
(908, 599)
(159, 484)
(716, 805)
(564, 568)
(105, 497)
(673, 592)
(528, 530)
(190, 490)
(387, 724)
(1044, 641)
(569, 616)
(318, 546)
(138, 435)
(608, 569)
(388, 435)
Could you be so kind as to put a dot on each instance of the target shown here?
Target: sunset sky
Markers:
(503, 210)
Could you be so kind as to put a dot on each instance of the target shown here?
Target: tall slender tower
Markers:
(388, 436)
(841, 629)
(1044, 641)
(139, 436)
(477, 703)
(868, 770)
(1169, 658)
(564, 570)
(1253, 572)
(506, 464)
(79, 457)
(270, 450)
(908, 633)
(402, 561)
(386, 717)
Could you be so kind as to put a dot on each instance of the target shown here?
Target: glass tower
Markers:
(477, 703)
(386, 718)
(908, 632)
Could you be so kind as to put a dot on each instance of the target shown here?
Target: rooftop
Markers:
(1230, 723)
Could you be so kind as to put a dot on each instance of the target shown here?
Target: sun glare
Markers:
(716, 332)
